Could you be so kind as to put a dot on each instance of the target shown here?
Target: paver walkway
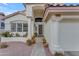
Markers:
(21, 49)
(16, 49)
(38, 49)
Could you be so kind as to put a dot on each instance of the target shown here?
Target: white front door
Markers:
(39, 30)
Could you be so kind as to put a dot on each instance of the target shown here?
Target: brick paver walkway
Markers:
(38, 50)
(21, 49)
(16, 49)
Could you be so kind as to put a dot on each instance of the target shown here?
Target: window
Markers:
(38, 19)
(13, 27)
(2, 25)
(19, 27)
(25, 27)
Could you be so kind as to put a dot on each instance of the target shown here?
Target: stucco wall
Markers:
(48, 33)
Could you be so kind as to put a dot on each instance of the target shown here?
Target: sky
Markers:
(8, 8)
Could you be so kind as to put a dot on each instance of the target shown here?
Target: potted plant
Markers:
(28, 42)
(3, 45)
(45, 44)
(33, 39)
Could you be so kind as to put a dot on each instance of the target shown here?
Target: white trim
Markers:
(39, 23)
(17, 25)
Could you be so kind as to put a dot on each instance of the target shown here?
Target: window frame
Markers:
(22, 28)
(2, 25)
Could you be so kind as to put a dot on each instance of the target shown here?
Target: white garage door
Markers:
(69, 34)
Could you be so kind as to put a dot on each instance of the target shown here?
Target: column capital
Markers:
(57, 19)
(29, 17)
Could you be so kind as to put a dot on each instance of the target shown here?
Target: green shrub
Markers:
(17, 35)
(11, 35)
(44, 40)
(6, 34)
(25, 35)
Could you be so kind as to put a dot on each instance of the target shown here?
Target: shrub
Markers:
(11, 35)
(45, 44)
(3, 45)
(28, 42)
(44, 40)
(25, 35)
(6, 34)
(17, 35)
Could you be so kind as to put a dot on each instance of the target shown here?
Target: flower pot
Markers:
(3, 45)
(45, 44)
(33, 41)
(28, 42)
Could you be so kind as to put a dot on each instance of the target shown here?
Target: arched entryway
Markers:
(38, 12)
(38, 27)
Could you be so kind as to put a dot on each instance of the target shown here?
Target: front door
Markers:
(38, 30)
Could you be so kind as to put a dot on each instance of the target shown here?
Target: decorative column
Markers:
(29, 18)
(29, 28)
(56, 46)
(55, 33)
(32, 24)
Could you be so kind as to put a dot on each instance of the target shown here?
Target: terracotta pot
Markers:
(28, 42)
(45, 44)
(33, 41)
(3, 45)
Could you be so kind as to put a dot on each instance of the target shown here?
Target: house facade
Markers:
(2, 23)
(58, 23)
(17, 23)
(63, 27)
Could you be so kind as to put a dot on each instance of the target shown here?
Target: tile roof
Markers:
(62, 5)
